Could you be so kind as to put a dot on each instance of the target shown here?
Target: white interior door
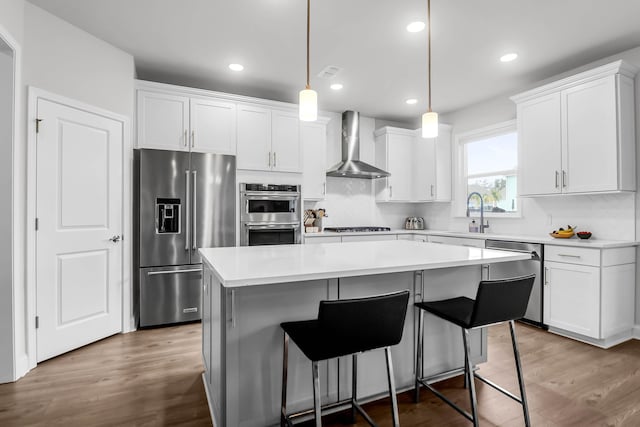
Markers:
(79, 211)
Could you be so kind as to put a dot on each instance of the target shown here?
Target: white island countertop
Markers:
(261, 265)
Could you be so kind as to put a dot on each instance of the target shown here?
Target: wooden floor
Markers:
(153, 377)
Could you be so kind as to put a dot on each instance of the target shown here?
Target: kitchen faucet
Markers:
(482, 224)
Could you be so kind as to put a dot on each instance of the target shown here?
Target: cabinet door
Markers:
(313, 137)
(443, 164)
(213, 126)
(572, 298)
(590, 136)
(254, 138)
(400, 161)
(285, 141)
(163, 121)
(539, 146)
(369, 238)
(424, 170)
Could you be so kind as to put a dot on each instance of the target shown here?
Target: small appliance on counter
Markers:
(414, 223)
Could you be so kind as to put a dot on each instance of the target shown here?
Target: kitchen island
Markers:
(249, 291)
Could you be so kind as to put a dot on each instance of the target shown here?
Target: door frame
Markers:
(34, 94)
(16, 289)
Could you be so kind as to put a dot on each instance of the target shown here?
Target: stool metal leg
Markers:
(469, 375)
(419, 366)
(516, 355)
(317, 407)
(285, 363)
(354, 387)
(392, 387)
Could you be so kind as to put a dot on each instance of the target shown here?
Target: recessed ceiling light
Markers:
(415, 27)
(508, 57)
(336, 86)
(411, 101)
(236, 67)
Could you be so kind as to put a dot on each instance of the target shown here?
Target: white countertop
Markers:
(546, 240)
(261, 265)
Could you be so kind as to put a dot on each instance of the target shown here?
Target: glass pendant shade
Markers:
(308, 105)
(430, 125)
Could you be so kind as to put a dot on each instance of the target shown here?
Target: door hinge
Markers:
(37, 224)
(38, 125)
(37, 322)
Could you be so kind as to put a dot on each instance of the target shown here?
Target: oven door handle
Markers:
(271, 196)
(253, 226)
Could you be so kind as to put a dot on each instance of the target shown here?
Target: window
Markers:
(488, 165)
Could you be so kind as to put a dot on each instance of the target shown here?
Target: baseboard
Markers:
(602, 343)
(22, 366)
(214, 421)
(636, 332)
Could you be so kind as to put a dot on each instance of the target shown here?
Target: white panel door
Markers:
(213, 126)
(163, 121)
(79, 208)
(285, 141)
(589, 116)
(539, 146)
(313, 137)
(254, 138)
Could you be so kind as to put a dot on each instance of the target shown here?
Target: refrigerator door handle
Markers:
(188, 213)
(194, 237)
(191, 270)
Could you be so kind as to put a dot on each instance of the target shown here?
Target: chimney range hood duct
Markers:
(351, 166)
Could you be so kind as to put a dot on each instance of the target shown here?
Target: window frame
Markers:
(460, 169)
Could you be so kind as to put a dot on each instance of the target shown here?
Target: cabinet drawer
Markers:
(370, 238)
(571, 255)
(323, 239)
(458, 241)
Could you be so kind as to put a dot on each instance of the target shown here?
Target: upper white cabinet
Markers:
(420, 168)
(577, 135)
(313, 138)
(163, 121)
(268, 139)
(175, 122)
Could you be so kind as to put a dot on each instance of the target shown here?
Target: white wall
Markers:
(60, 58)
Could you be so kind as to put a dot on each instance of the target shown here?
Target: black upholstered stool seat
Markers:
(496, 301)
(347, 327)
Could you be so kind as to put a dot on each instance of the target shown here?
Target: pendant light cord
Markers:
(308, 25)
(429, 49)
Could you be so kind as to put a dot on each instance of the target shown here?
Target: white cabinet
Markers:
(589, 293)
(268, 139)
(175, 122)
(313, 138)
(420, 168)
(163, 121)
(571, 128)
(369, 238)
(316, 240)
(213, 126)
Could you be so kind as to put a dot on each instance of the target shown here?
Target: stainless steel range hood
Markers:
(351, 166)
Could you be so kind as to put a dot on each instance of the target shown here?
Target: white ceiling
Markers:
(192, 42)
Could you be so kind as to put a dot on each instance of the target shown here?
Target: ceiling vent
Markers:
(329, 72)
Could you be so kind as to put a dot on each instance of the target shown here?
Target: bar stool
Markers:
(346, 327)
(497, 301)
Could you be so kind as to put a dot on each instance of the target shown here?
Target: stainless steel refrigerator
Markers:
(183, 201)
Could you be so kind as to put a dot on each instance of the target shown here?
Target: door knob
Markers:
(115, 239)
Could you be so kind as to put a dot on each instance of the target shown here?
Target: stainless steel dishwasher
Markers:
(505, 270)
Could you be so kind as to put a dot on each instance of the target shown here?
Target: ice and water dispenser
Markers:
(167, 216)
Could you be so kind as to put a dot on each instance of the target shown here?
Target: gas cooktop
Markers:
(355, 229)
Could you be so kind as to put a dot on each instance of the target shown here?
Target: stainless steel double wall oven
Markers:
(183, 201)
(270, 214)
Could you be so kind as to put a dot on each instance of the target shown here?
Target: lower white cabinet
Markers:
(369, 238)
(589, 294)
(316, 240)
(457, 241)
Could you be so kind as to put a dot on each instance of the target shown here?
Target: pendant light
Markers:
(308, 97)
(430, 118)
